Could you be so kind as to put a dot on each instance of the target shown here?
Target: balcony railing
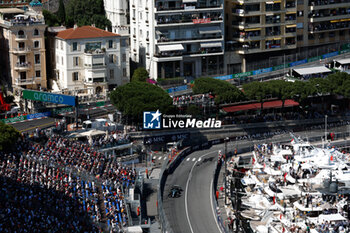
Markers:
(23, 65)
(182, 7)
(164, 39)
(27, 22)
(328, 26)
(21, 50)
(327, 2)
(183, 53)
(195, 20)
(27, 81)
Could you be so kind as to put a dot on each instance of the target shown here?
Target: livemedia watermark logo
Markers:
(155, 120)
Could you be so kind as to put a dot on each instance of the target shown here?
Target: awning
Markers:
(255, 106)
(269, 2)
(186, 1)
(291, 26)
(343, 61)
(331, 217)
(277, 38)
(312, 70)
(252, 29)
(277, 1)
(209, 30)
(211, 45)
(343, 20)
(291, 12)
(173, 47)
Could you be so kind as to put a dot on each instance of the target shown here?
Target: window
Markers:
(124, 57)
(300, 38)
(37, 58)
(36, 44)
(37, 73)
(111, 73)
(300, 13)
(75, 76)
(123, 43)
(76, 61)
(57, 59)
(75, 46)
(21, 34)
(36, 32)
(62, 61)
(21, 45)
(311, 36)
(111, 58)
(124, 72)
(110, 44)
(61, 45)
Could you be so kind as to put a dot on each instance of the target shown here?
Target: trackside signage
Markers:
(48, 97)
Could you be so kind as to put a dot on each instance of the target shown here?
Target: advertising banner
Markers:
(242, 75)
(226, 77)
(176, 89)
(49, 97)
(38, 115)
(314, 59)
(330, 54)
(296, 63)
(14, 119)
(165, 138)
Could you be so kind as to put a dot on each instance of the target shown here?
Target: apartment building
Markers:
(90, 60)
(257, 30)
(13, 3)
(22, 48)
(118, 13)
(180, 38)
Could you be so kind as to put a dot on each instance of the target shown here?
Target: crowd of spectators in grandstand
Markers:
(193, 99)
(115, 138)
(62, 186)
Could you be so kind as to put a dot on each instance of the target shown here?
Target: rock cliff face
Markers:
(52, 5)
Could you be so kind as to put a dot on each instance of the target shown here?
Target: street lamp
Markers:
(226, 140)
(325, 129)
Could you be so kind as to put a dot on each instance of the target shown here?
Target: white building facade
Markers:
(180, 38)
(90, 60)
(117, 11)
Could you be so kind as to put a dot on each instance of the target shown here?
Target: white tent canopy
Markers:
(343, 61)
(312, 70)
(209, 30)
(331, 217)
(173, 47)
(187, 1)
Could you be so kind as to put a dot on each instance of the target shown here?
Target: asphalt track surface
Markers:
(192, 212)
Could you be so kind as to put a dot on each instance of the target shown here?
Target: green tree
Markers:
(8, 136)
(224, 92)
(134, 98)
(61, 13)
(256, 91)
(86, 12)
(140, 75)
(193, 110)
(280, 89)
(50, 19)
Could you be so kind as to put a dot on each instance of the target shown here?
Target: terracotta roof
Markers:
(84, 32)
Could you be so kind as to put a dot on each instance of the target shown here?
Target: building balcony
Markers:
(22, 66)
(94, 80)
(290, 34)
(23, 23)
(187, 9)
(21, 50)
(329, 18)
(243, 13)
(168, 21)
(95, 65)
(185, 53)
(249, 50)
(291, 46)
(242, 2)
(28, 81)
(21, 38)
(319, 5)
(189, 40)
(247, 38)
